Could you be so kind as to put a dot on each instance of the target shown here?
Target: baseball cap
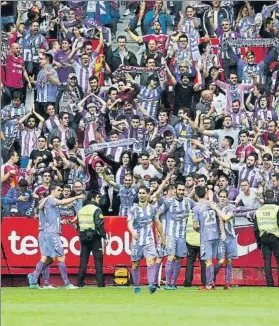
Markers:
(71, 75)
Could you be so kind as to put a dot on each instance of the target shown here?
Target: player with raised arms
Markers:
(226, 211)
(140, 222)
(205, 221)
(176, 210)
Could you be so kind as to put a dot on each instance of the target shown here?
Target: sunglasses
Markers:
(222, 196)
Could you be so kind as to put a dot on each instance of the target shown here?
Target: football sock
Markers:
(209, 275)
(176, 270)
(135, 276)
(38, 270)
(217, 268)
(45, 274)
(63, 271)
(157, 268)
(151, 274)
(169, 270)
(228, 273)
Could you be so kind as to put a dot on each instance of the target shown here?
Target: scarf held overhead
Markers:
(95, 147)
(132, 69)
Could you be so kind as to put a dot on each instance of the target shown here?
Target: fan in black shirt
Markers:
(184, 91)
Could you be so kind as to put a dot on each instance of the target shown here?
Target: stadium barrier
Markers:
(20, 252)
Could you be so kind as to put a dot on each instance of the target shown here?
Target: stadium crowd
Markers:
(195, 105)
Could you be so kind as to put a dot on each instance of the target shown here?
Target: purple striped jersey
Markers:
(229, 225)
(127, 196)
(244, 172)
(142, 219)
(150, 99)
(177, 212)
(14, 114)
(46, 91)
(207, 218)
(83, 74)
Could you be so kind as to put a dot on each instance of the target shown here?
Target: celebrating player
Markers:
(50, 242)
(226, 211)
(177, 210)
(140, 218)
(205, 220)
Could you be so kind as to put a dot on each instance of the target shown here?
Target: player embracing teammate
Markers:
(214, 223)
(217, 238)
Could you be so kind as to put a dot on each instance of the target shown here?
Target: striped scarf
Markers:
(120, 72)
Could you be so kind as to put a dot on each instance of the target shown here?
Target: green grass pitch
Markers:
(120, 307)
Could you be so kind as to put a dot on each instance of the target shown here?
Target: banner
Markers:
(98, 146)
(20, 243)
(120, 72)
(257, 42)
(4, 48)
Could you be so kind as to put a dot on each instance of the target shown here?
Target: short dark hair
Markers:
(61, 115)
(93, 78)
(230, 140)
(276, 175)
(144, 154)
(223, 192)
(123, 37)
(17, 95)
(71, 142)
(242, 132)
(202, 176)
(200, 192)
(23, 183)
(111, 89)
(55, 137)
(236, 100)
(42, 137)
(183, 36)
(53, 186)
(152, 77)
(143, 188)
(255, 155)
(269, 195)
(179, 184)
(49, 58)
(52, 43)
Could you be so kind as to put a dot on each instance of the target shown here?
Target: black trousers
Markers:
(86, 247)
(270, 244)
(193, 253)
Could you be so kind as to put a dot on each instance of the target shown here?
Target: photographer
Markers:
(18, 201)
(91, 231)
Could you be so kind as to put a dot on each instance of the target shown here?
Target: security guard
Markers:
(91, 231)
(267, 234)
(193, 247)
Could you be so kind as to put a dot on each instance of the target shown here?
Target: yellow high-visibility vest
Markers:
(267, 219)
(192, 236)
(86, 217)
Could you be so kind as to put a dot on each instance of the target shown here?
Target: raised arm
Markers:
(172, 78)
(133, 36)
(108, 179)
(101, 41)
(255, 141)
(41, 119)
(223, 164)
(67, 201)
(199, 81)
